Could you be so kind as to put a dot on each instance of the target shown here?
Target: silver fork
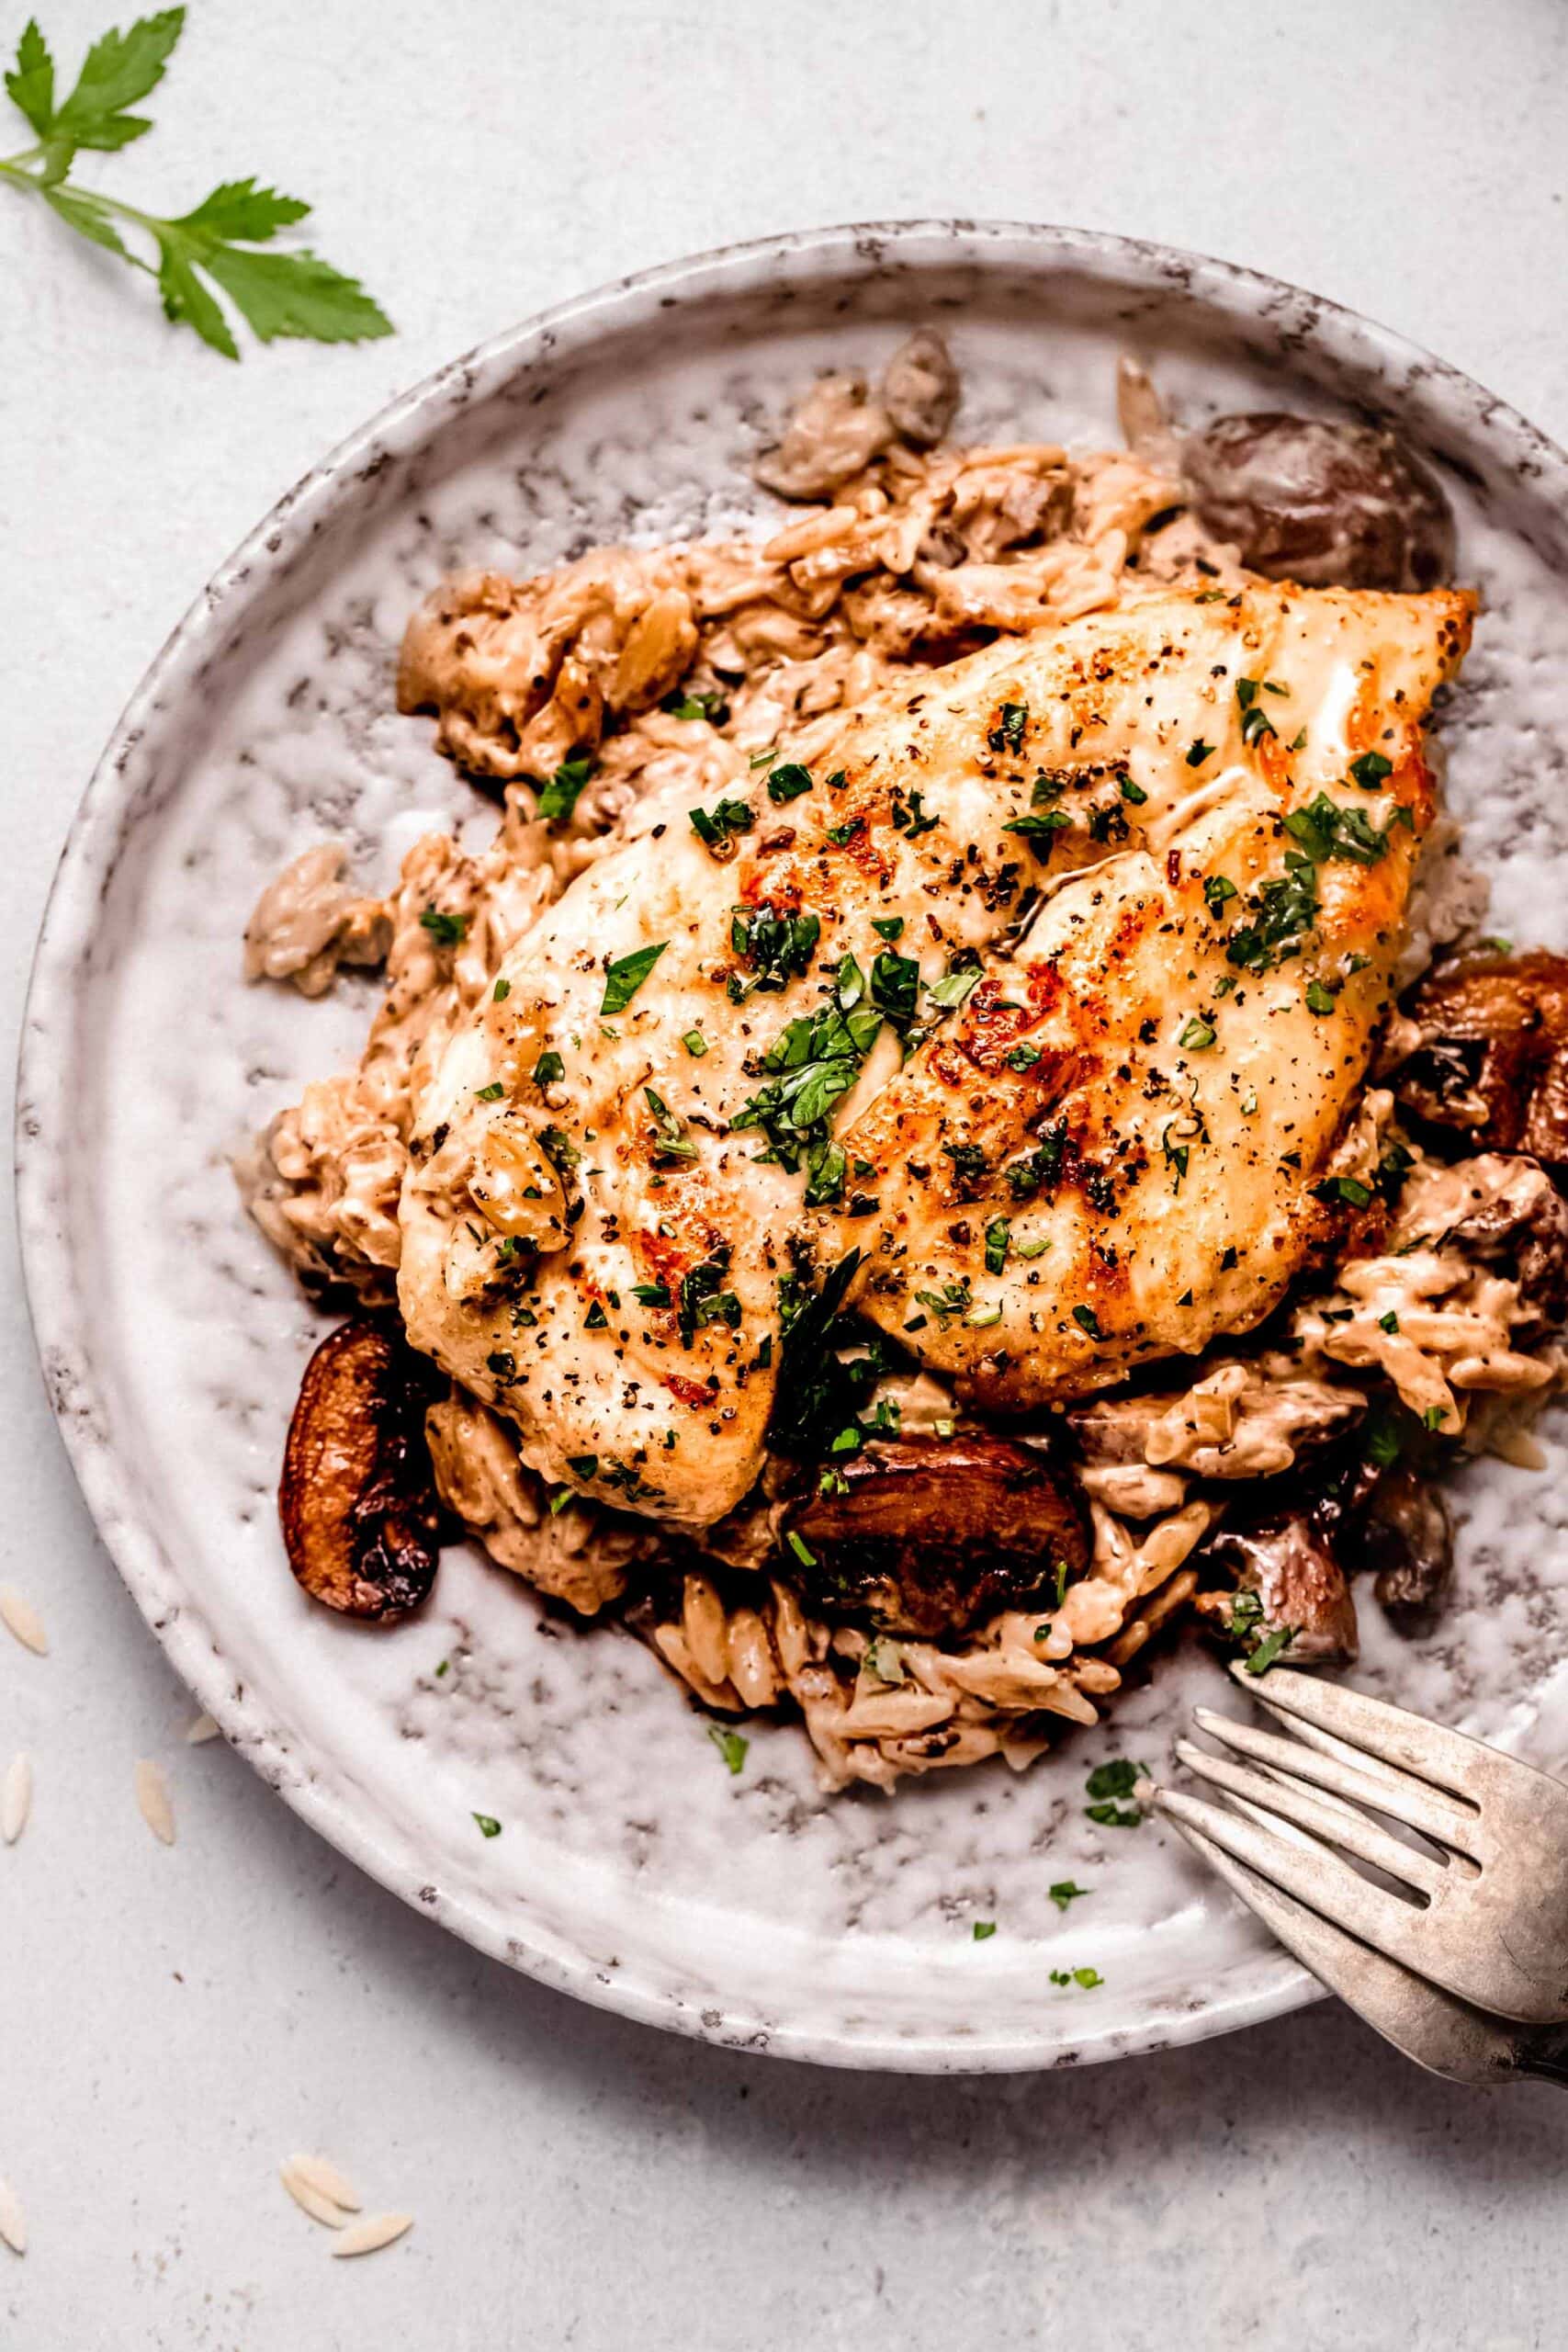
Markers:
(1472, 1897)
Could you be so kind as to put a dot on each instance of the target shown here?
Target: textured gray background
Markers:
(174, 2023)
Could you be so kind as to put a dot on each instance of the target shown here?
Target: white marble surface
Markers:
(175, 2022)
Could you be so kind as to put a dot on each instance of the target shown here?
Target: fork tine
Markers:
(1395, 1793)
(1318, 1878)
(1444, 2035)
(1339, 1825)
(1447, 1758)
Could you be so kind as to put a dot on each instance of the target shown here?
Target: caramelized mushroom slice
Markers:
(1329, 504)
(358, 1498)
(1493, 1060)
(930, 1535)
(1409, 1540)
(1287, 1565)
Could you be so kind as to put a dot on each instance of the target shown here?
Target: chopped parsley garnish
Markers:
(910, 816)
(1087, 1320)
(491, 1093)
(1039, 828)
(1254, 720)
(997, 1235)
(1066, 1891)
(1088, 1978)
(1176, 1156)
(651, 1294)
(951, 1301)
(626, 976)
(1434, 1417)
(559, 798)
(730, 1745)
(548, 1070)
(1132, 792)
(1218, 891)
(1319, 999)
(895, 984)
(984, 1930)
(1348, 1189)
(1007, 735)
(1326, 828)
(1112, 1785)
(1021, 1056)
(1198, 752)
(1389, 1322)
(713, 707)
(980, 1318)
(595, 1319)
(582, 1466)
(888, 926)
(763, 759)
(778, 947)
(1269, 1648)
(704, 1300)
(815, 1059)
(716, 828)
(488, 1826)
(1197, 1036)
(953, 988)
(1284, 911)
(500, 992)
(1371, 771)
(696, 1044)
(447, 931)
(788, 781)
(801, 1549)
(670, 1139)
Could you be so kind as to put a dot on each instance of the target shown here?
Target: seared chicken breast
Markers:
(1047, 992)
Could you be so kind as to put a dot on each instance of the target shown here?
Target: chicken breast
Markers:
(1048, 991)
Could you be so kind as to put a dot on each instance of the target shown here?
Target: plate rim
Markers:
(49, 1048)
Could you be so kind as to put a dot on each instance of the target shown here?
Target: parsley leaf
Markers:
(447, 931)
(488, 1826)
(560, 796)
(286, 293)
(730, 1746)
(984, 1930)
(716, 828)
(788, 781)
(1066, 1891)
(626, 976)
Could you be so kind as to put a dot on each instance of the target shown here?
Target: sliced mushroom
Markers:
(1409, 1540)
(358, 1500)
(833, 432)
(1507, 1210)
(920, 389)
(929, 1536)
(1287, 1564)
(1491, 1062)
(1327, 503)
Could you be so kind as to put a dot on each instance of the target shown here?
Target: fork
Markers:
(1471, 1890)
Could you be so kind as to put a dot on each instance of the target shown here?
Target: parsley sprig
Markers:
(289, 293)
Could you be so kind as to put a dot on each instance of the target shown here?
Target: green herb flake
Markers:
(984, 1930)
(711, 707)
(801, 1549)
(788, 782)
(500, 992)
(1197, 1036)
(998, 1234)
(716, 828)
(1268, 1649)
(888, 926)
(1319, 999)
(1198, 752)
(730, 1746)
(447, 931)
(491, 1093)
(548, 1071)
(1389, 1322)
(696, 1044)
(626, 976)
(1065, 1891)
(1371, 771)
(1134, 794)
(1218, 891)
(1087, 1320)
(488, 1826)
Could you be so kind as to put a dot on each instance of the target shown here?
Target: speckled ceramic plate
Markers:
(632, 1869)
